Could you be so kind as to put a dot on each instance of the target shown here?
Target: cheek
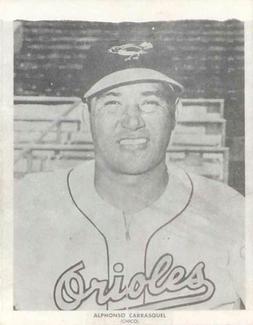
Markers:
(160, 127)
(102, 126)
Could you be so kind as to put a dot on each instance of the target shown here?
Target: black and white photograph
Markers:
(129, 165)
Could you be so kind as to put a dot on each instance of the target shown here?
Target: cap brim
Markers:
(132, 75)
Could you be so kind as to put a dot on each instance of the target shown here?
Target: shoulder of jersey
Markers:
(35, 184)
(222, 206)
(206, 188)
(212, 205)
(215, 191)
(46, 190)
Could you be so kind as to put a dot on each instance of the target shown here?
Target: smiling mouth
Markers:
(133, 142)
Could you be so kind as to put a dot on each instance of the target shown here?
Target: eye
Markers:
(149, 106)
(111, 103)
(152, 102)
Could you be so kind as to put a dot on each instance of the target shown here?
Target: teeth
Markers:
(133, 141)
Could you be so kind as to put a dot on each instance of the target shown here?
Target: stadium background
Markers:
(207, 57)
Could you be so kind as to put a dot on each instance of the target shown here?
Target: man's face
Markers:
(131, 127)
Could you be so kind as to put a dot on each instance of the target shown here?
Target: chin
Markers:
(135, 168)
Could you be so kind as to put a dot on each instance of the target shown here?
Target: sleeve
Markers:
(27, 210)
(236, 263)
(22, 192)
(37, 199)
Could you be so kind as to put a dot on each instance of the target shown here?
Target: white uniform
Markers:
(75, 251)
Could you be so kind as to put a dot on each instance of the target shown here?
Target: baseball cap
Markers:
(117, 63)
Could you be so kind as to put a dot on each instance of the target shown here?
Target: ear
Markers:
(84, 116)
(174, 111)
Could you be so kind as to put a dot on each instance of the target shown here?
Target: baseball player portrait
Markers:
(128, 230)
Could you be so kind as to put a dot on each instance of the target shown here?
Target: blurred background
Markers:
(51, 127)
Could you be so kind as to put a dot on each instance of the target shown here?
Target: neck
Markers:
(131, 193)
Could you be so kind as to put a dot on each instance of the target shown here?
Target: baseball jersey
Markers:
(74, 251)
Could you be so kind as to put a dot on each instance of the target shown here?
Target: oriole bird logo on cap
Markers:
(131, 51)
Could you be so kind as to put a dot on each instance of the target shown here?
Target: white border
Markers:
(126, 10)
(114, 11)
(249, 158)
(6, 116)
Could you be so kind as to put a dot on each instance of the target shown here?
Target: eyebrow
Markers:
(144, 93)
(110, 93)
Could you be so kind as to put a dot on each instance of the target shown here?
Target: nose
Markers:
(132, 118)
